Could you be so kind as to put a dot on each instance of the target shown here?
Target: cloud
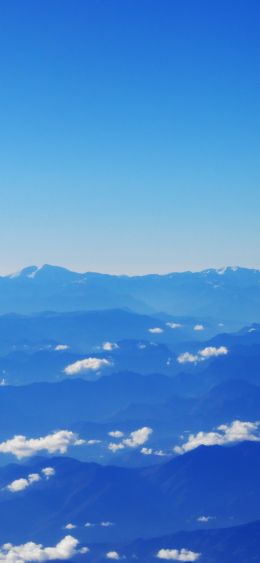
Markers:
(108, 346)
(61, 347)
(65, 549)
(211, 352)
(89, 525)
(116, 434)
(138, 437)
(70, 526)
(178, 555)
(59, 441)
(135, 439)
(198, 327)
(48, 472)
(89, 364)
(113, 555)
(21, 484)
(174, 325)
(155, 330)
(237, 431)
(205, 519)
(150, 451)
(106, 524)
(202, 355)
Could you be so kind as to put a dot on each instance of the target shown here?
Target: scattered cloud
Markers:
(48, 472)
(70, 526)
(198, 327)
(109, 346)
(205, 519)
(174, 325)
(89, 525)
(178, 555)
(150, 451)
(202, 355)
(59, 441)
(155, 330)
(89, 364)
(106, 524)
(237, 431)
(33, 552)
(116, 434)
(61, 347)
(135, 439)
(113, 555)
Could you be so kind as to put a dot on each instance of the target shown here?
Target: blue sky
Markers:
(129, 134)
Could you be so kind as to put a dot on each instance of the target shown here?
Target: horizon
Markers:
(221, 270)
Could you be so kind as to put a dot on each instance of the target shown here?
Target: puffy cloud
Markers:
(237, 431)
(135, 439)
(65, 549)
(59, 441)
(174, 325)
(138, 437)
(116, 434)
(211, 352)
(186, 357)
(48, 472)
(89, 525)
(106, 524)
(178, 555)
(89, 364)
(198, 327)
(108, 346)
(115, 447)
(61, 347)
(23, 483)
(204, 354)
(155, 330)
(70, 526)
(113, 555)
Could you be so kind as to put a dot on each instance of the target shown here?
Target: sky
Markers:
(130, 134)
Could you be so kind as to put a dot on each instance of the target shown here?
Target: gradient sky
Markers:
(130, 134)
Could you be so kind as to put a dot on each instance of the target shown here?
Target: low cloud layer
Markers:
(237, 431)
(135, 439)
(21, 447)
(202, 355)
(177, 555)
(89, 364)
(63, 550)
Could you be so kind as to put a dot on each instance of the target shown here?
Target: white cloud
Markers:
(202, 355)
(186, 357)
(108, 346)
(61, 347)
(65, 549)
(205, 519)
(48, 472)
(174, 325)
(106, 524)
(115, 447)
(70, 526)
(89, 364)
(116, 434)
(89, 525)
(177, 555)
(198, 327)
(155, 330)
(135, 439)
(138, 437)
(23, 483)
(59, 441)
(237, 431)
(150, 451)
(211, 352)
(113, 555)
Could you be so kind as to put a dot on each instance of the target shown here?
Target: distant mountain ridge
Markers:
(228, 293)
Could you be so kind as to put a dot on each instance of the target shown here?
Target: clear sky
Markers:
(130, 134)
